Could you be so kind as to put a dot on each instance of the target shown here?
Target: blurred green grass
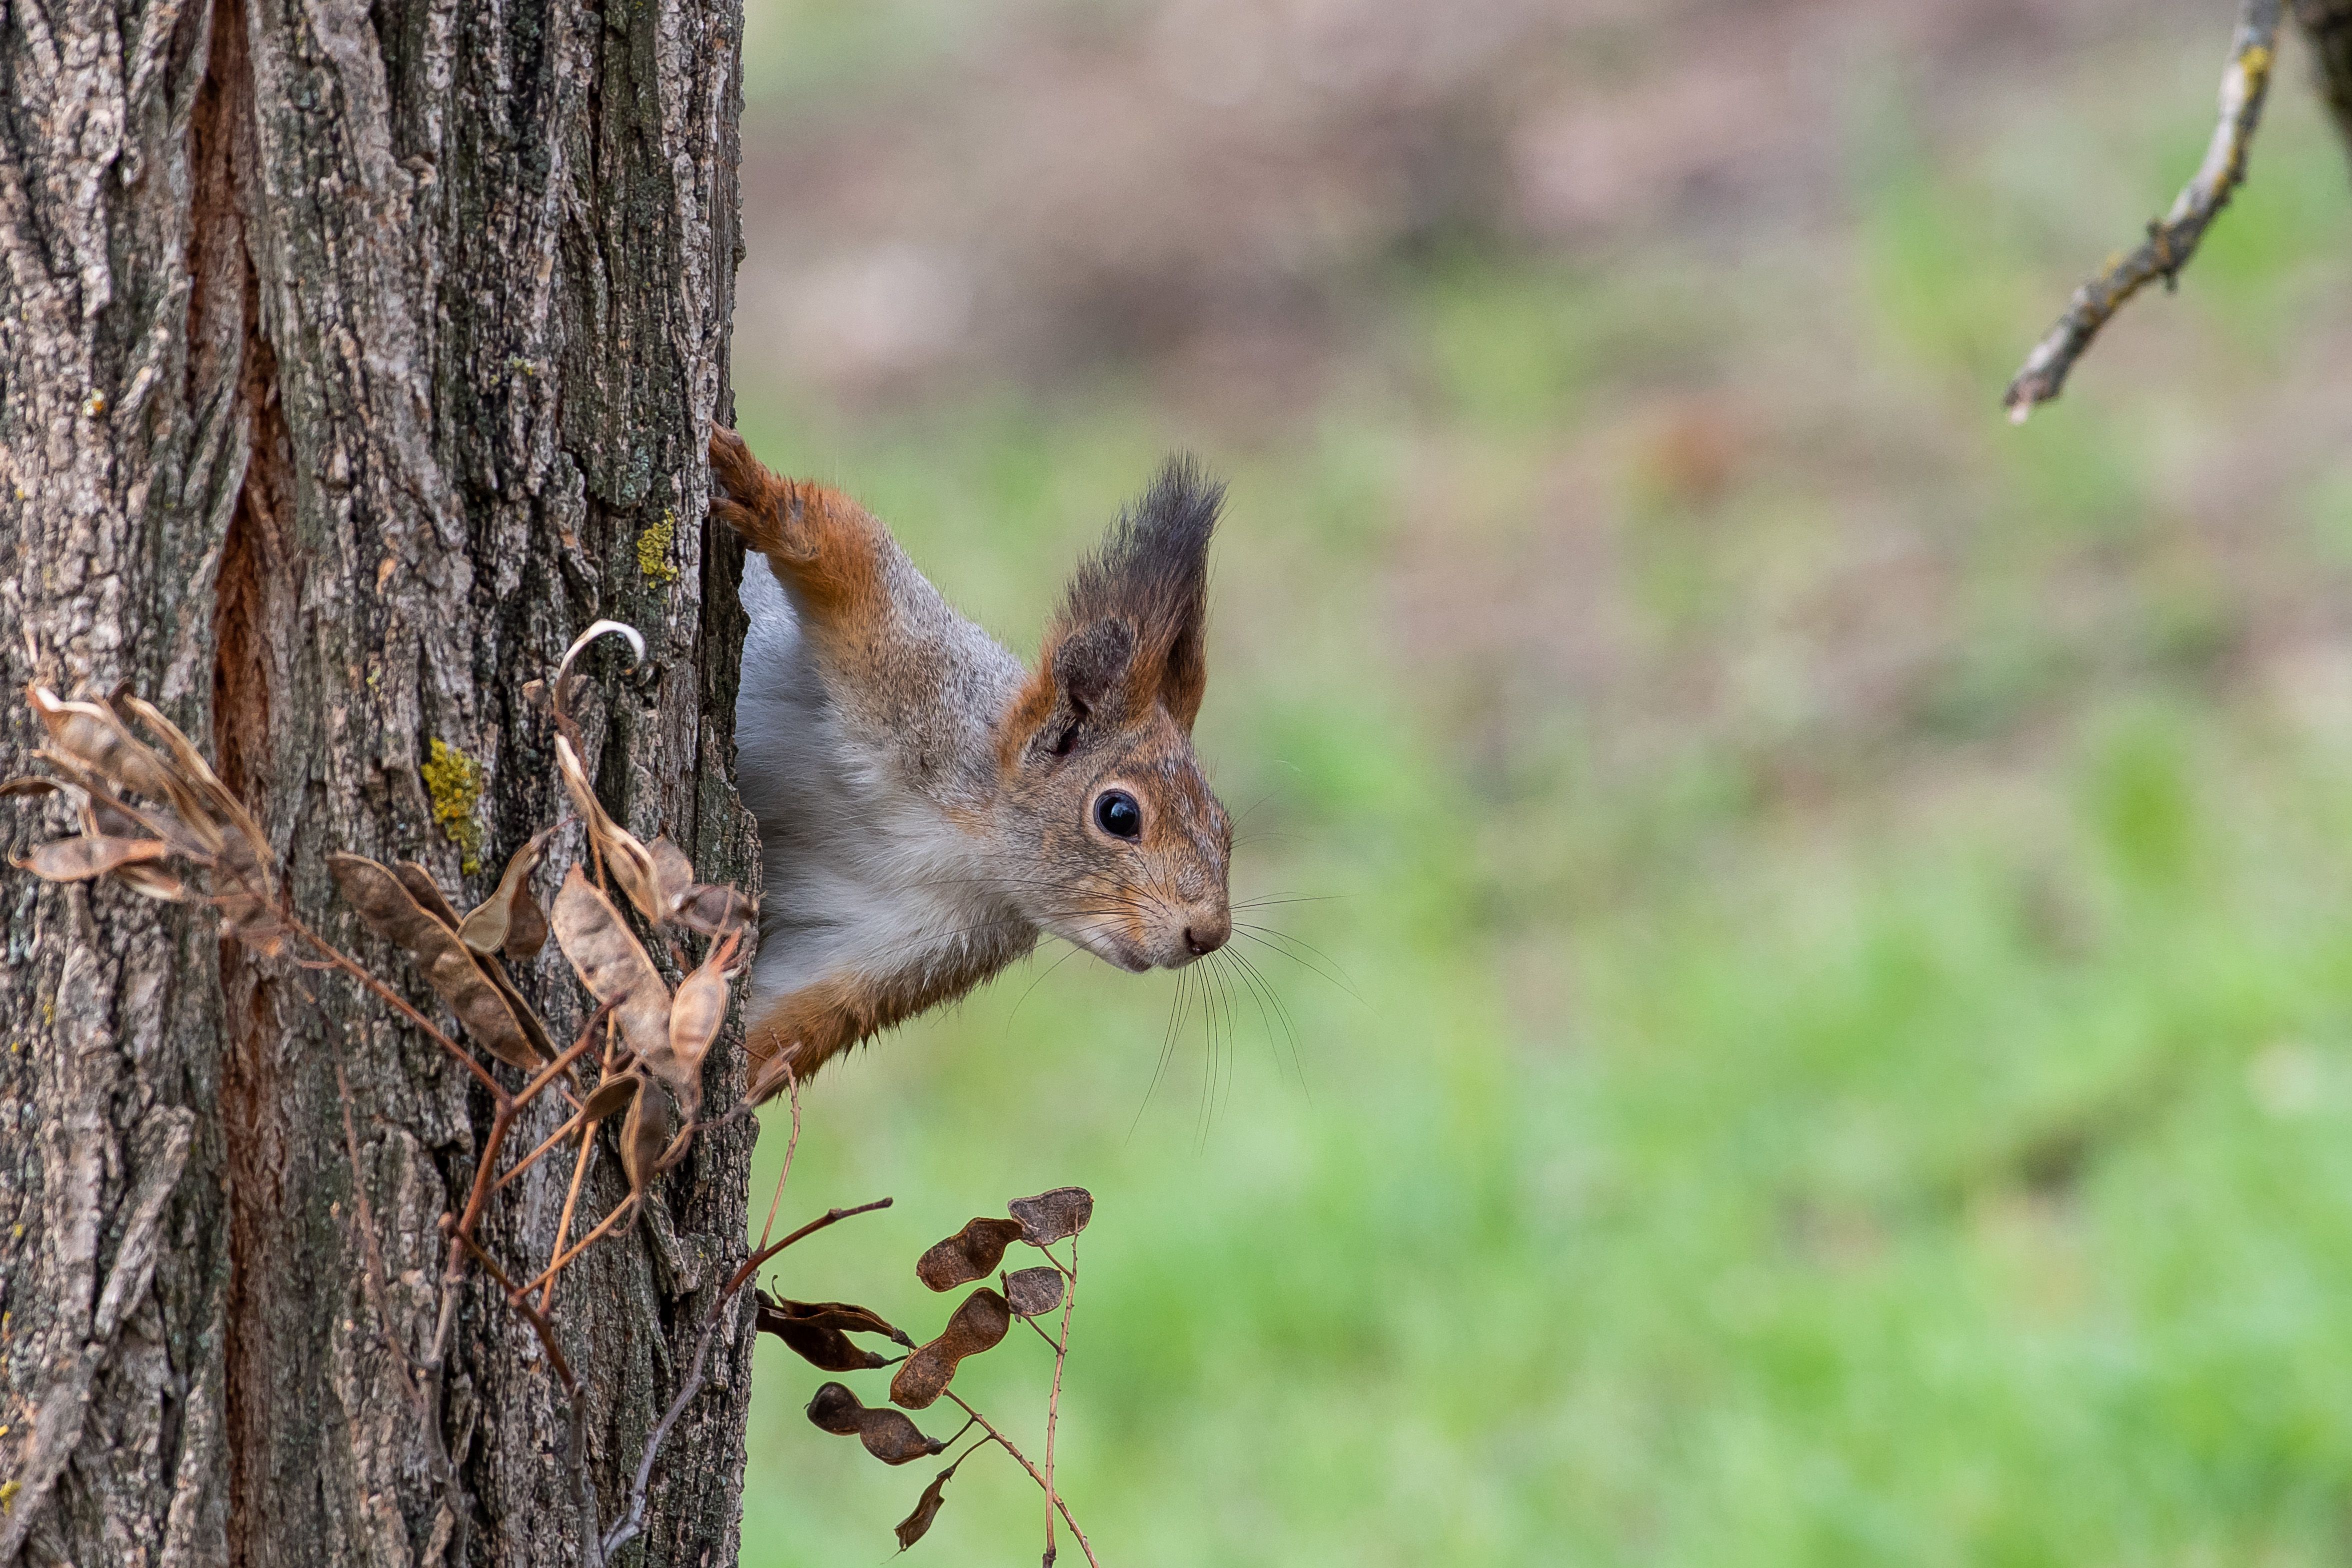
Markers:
(1939, 1160)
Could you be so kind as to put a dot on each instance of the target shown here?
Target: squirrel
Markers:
(927, 806)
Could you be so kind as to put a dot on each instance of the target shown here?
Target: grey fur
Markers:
(857, 793)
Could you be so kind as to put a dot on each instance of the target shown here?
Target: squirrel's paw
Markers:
(750, 500)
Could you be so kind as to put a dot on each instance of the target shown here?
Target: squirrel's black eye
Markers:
(1117, 814)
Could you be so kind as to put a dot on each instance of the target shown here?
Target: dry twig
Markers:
(2173, 238)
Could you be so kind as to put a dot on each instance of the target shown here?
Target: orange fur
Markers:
(816, 1023)
(819, 540)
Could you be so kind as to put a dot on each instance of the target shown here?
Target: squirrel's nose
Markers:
(1203, 940)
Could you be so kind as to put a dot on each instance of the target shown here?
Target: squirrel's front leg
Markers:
(821, 544)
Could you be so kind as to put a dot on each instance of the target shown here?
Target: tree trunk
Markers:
(2327, 26)
(353, 359)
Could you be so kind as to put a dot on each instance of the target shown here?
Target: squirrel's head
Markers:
(1126, 844)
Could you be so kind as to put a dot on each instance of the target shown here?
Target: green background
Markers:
(1806, 1012)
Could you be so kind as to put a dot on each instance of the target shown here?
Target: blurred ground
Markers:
(1827, 1034)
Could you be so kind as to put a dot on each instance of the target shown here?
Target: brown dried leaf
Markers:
(917, 1524)
(427, 891)
(971, 1253)
(385, 905)
(714, 909)
(979, 1324)
(1051, 1216)
(645, 1136)
(612, 965)
(510, 919)
(610, 1096)
(79, 860)
(1034, 1292)
(887, 1435)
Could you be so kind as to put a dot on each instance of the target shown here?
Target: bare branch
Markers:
(632, 1520)
(2173, 238)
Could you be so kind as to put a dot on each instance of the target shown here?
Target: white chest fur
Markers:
(868, 872)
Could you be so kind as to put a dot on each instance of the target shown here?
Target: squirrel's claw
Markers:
(753, 501)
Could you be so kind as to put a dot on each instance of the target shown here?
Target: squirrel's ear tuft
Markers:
(1153, 573)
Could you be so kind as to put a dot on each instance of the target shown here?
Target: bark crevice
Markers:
(335, 389)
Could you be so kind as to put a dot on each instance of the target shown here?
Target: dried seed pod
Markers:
(105, 819)
(429, 898)
(816, 1336)
(714, 909)
(198, 774)
(611, 1097)
(152, 882)
(625, 857)
(29, 784)
(917, 1524)
(979, 1324)
(887, 1435)
(92, 734)
(1051, 1216)
(1034, 1292)
(695, 1014)
(838, 1315)
(496, 975)
(612, 965)
(510, 919)
(80, 860)
(391, 914)
(971, 1253)
(702, 906)
(652, 1123)
(427, 891)
(673, 872)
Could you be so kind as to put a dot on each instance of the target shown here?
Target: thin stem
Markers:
(620, 1211)
(791, 1086)
(1001, 1443)
(1053, 1400)
(533, 1158)
(538, 1324)
(2173, 238)
(351, 966)
(632, 1520)
(570, 1204)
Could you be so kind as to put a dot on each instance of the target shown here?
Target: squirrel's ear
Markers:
(1091, 663)
(1083, 674)
(1153, 573)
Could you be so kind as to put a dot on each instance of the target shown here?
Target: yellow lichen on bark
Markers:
(653, 549)
(453, 781)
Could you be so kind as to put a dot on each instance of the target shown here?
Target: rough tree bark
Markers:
(2327, 26)
(352, 358)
